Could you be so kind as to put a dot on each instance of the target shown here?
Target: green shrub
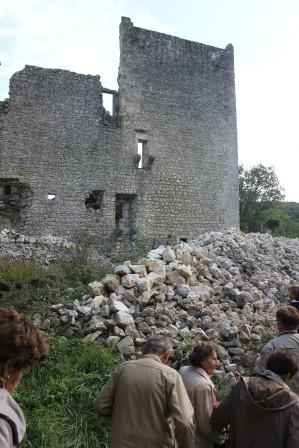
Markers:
(57, 395)
(222, 387)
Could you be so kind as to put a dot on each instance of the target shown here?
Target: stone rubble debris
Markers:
(222, 287)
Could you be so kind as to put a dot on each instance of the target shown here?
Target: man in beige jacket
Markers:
(147, 402)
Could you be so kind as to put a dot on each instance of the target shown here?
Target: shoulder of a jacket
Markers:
(203, 385)
(143, 362)
(6, 430)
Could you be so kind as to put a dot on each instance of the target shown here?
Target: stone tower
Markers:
(162, 166)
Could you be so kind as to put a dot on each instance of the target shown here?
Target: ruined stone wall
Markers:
(74, 168)
(54, 139)
(180, 95)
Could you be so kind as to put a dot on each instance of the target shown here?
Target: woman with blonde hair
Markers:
(21, 345)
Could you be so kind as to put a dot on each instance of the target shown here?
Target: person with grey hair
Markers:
(287, 322)
(147, 402)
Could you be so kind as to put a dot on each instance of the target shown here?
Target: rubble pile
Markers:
(222, 287)
(44, 249)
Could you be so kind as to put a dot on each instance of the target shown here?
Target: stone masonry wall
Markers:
(78, 165)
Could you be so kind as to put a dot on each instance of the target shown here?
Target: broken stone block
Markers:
(185, 258)
(139, 269)
(91, 337)
(112, 341)
(85, 310)
(122, 270)
(105, 311)
(184, 271)
(169, 255)
(129, 280)
(144, 284)
(156, 278)
(133, 332)
(126, 346)
(157, 266)
(116, 306)
(111, 282)
(124, 319)
(144, 298)
(175, 278)
(119, 332)
(96, 289)
(125, 293)
(156, 253)
(96, 323)
(97, 303)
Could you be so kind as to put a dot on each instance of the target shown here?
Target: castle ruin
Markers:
(162, 166)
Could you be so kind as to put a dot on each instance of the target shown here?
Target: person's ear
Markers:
(287, 377)
(165, 357)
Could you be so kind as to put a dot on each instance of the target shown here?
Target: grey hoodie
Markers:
(12, 421)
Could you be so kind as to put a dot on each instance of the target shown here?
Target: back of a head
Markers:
(294, 292)
(288, 316)
(200, 352)
(157, 345)
(282, 363)
(21, 343)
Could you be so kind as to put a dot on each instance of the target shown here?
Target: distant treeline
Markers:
(262, 208)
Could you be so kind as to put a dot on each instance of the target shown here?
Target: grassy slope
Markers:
(57, 395)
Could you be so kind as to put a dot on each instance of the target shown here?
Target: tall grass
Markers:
(33, 288)
(57, 396)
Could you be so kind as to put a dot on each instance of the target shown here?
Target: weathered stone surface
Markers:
(124, 319)
(111, 282)
(122, 270)
(185, 271)
(129, 281)
(112, 341)
(96, 289)
(97, 303)
(91, 337)
(234, 308)
(117, 305)
(144, 284)
(169, 255)
(172, 201)
(126, 345)
(139, 269)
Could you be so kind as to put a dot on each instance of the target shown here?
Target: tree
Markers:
(260, 193)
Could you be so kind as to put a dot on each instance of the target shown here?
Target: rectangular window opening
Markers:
(142, 152)
(125, 214)
(7, 190)
(108, 102)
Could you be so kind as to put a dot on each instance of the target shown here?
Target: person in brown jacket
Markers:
(147, 402)
(262, 410)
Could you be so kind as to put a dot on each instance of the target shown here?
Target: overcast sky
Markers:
(82, 36)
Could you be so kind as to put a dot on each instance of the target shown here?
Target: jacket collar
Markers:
(204, 374)
(154, 357)
(273, 376)
(288, 332)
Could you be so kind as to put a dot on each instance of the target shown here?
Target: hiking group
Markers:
(151, 405)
